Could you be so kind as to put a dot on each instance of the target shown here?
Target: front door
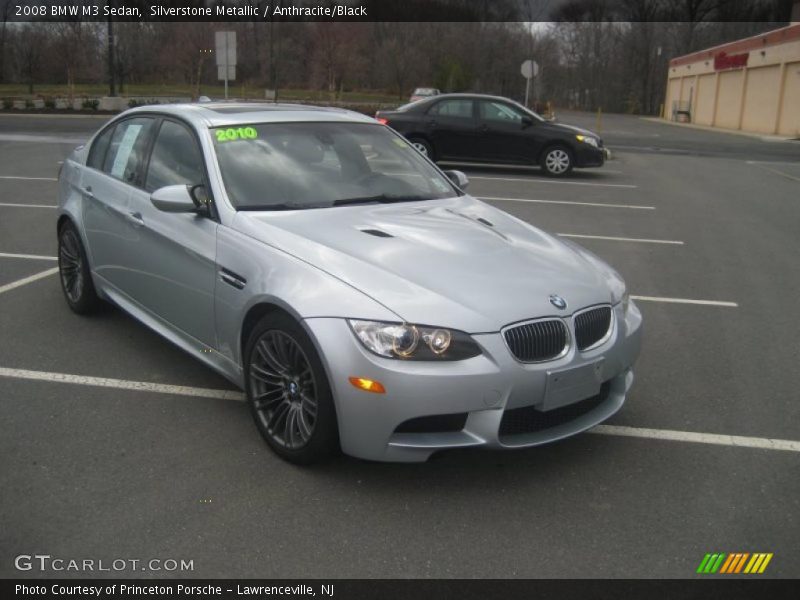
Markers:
(503, 135)
(175, 252)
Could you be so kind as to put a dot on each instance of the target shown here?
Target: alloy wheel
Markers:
(70, 264)
(283, 391)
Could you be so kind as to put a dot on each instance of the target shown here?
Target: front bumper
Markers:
(589, 156)
(484, 387)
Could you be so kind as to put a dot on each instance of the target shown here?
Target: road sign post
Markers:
(529, 70)
(225, 42)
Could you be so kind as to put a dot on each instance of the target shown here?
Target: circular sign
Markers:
(529, 69)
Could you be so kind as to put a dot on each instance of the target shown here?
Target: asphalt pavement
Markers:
(101, 458)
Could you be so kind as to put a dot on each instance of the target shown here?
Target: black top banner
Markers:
(394, 10)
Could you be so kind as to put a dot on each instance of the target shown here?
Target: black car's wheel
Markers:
(423, 146)
(556, 161)
(73, 267)
(288, 391)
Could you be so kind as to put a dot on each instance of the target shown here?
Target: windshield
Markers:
(279, 166)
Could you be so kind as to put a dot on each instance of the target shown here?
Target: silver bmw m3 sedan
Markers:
(356, 293)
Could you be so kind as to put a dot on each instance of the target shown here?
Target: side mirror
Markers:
(174, 199)
(458, 178)
(526, 122)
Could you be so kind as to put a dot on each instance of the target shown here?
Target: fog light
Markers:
(368, 385)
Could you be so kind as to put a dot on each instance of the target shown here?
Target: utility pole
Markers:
(112, 71)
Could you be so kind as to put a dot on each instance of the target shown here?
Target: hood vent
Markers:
(485, 222)
(377, 233)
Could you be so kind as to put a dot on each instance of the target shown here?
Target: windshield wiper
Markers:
(283, 206)
(379, 199)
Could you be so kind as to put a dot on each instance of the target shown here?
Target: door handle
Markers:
(135, 218)
(432, 123)
(87, 191)
(484, 129)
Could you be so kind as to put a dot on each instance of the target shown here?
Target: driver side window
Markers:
(497, 111)
(176, 158)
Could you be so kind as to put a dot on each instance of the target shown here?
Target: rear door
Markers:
(451, 127)
(175, 253)
(113, 168)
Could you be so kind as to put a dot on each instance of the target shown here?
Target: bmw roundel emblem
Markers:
(558, 301)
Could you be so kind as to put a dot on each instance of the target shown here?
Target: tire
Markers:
(288, 392)
(557, 161)
(422, 146)
(74, 272)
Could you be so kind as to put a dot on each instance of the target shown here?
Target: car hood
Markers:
(456, 263)
(571, 129)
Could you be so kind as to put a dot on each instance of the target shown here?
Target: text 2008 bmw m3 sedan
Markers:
(359, 296)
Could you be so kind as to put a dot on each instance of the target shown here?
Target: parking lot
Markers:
(117, 445)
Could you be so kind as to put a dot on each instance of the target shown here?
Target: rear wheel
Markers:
(288, 392)
(557, 161)
(75, 276)
(422, 146)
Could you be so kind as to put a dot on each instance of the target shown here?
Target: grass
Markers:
(213, 91)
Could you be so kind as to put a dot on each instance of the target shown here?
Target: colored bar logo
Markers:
(734, 563)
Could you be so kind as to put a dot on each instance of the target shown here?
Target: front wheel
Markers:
(74, 273)
(422, 146)
(288, 392)
(557, 161)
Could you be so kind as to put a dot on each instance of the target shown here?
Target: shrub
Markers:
(8, 103)
(90, 104)
(28, 103)
(49, 103)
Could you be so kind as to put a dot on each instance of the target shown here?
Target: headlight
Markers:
(586, 139)
(414, 342)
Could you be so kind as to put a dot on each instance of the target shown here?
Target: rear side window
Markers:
(97, 154)
(126, 152)
(176, 158)
(461, 109)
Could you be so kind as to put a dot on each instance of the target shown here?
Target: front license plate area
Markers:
(568, 386)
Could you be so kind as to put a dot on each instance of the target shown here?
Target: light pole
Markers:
(112, 71)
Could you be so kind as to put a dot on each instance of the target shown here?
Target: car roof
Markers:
(467, 96)
(221, 114)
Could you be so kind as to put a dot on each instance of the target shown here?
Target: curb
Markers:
(761, 136)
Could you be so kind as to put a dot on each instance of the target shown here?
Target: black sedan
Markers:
(491, 129)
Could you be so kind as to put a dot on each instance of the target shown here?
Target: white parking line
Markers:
(619, 239)
(570, 202)
(698, 438)
(685, 301)
(122, 384)
(12, 204)
(29, 178)
(774, 171)
(614, 430)
(556, 182)
(773, 162)
(533, 170)
(30, 279)
(28, 256)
